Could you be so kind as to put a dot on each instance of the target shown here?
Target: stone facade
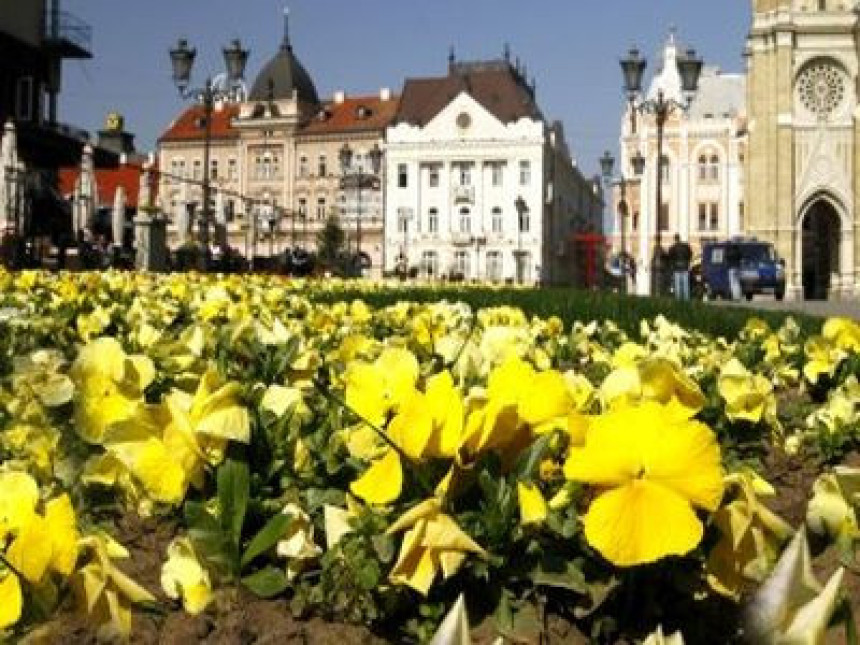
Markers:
(803, 163)
(702, 167)
(275, 167)
(464, 151)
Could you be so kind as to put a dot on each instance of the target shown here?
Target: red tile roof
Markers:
(353, 114)
(189, 125)
(107, 179)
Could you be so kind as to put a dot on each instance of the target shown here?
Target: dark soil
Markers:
(237, 617)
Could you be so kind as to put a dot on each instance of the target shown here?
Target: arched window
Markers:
(703, 168)
(715, 168)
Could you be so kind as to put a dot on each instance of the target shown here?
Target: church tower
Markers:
(803, 158)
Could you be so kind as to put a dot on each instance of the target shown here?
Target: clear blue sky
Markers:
(571, 46)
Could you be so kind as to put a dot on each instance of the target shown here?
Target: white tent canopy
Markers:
(86, 193)
(10, 176)
(118, 216)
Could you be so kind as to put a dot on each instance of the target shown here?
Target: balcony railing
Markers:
(464, 195)
(68, 34)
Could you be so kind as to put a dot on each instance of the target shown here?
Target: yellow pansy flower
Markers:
(750, 536)
(748, 396)
(298, 545)
(831, 511)
(842, 332)
(109, 386)
(182, 576)
(823, 357)
(433, 542)
(373, 389)
(653, 469)
(653, 379)
(103, 592)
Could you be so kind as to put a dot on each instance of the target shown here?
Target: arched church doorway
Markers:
(821, 231)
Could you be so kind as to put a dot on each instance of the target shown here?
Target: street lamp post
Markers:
(607, 164)
(182, 58)
(522, 209)
(633, 68)
(346, 159)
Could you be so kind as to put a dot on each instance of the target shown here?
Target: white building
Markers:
(702, 166)
(479, 185)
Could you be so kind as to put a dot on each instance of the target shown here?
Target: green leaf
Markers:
(560, 574)
(385, 547)
(267, 537)
(234, 489)
(530, 459)
(266, 583)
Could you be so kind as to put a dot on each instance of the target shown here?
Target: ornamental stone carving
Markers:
(822, 88)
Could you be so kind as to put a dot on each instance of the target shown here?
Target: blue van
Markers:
(760, 270)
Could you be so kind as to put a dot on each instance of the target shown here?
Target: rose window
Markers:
(821, 88)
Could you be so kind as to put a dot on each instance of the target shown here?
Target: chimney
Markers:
(385, 94)
(339, 96)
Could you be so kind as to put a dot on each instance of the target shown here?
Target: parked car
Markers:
(760, 269)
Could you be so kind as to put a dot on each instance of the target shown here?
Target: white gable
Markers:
(464, 119)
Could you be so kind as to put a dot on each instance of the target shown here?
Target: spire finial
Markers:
(451, 56)
(673, 31)
(507, 52)
(286, 42)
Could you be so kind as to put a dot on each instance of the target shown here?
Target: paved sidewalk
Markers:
(824, 308)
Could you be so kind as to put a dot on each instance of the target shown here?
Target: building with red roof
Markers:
(274, 163)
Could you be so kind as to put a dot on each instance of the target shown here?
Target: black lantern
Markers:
(182, 58)
(607, 164)
(633, 68)
(235, 59)
(690, 68)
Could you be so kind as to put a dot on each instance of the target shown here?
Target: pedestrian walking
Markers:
(733, 263)
(680, 258)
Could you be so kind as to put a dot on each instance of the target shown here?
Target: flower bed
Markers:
(190, 455)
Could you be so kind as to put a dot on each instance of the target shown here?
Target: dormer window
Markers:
(362, 112)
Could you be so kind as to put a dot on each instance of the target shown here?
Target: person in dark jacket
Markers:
(680, 258)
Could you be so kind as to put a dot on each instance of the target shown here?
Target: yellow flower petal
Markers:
(641, 523)
(30, 552)
(61, 526)
(416, 566)
(381, 483)
(10, 601)
(532, 504)
(631, 442)
(18, 496)
(182, 576)
(412, 427)
(547, 397)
